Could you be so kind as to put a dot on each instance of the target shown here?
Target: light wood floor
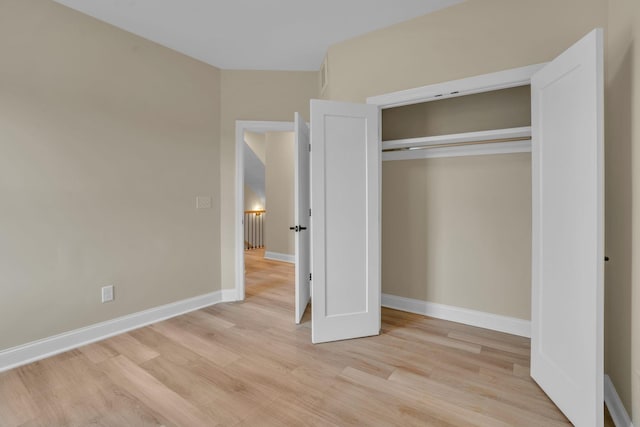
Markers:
(248, 364)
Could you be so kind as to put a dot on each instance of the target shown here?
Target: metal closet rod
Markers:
(458, 144)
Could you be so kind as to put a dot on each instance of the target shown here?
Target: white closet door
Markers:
(567, 252)
(345, 202)
(301, 216)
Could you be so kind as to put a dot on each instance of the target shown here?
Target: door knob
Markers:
(302, 228)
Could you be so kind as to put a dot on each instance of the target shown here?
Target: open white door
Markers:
(301, 216)
(345, 235)
(568, 220)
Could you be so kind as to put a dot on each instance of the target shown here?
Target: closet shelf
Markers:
(481, 137)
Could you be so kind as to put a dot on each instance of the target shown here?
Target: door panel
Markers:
(301, 216)
(345, 198)
(345, 210)
(568, 218)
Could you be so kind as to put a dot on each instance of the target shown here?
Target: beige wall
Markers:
(622, 310)
(452, 232)
(256, 142)
(252, 202)
(635, 381)
(618, 195)
(474, 37)
(500, 109)
(279, 189)
(253, 95)
(631, 51)
(106, 141)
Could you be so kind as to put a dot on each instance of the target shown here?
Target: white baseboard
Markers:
(614, 404)
(275, 256)
(229, 295)
(510, 325)
(47, 347)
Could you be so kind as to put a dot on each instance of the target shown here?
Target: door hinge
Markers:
(309, 211)
(309, 147)
(309, 276)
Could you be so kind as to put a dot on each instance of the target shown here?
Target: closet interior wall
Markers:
(457, 230)
(499, 109)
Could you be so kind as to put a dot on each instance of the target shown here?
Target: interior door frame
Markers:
(241, 127)
(477, 84)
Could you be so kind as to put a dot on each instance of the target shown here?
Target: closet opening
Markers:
(456, 207)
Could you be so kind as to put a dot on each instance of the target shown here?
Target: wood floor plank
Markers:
(98, 352)
(66, 380)
(466, 398)
(521, 371)
(247, 363)
(214, 402)
(134, 350)
(208, 321)
(439, 405)
(153, 393)
(18, 407)
(498, 392)
(285, 412)
(169, 349)
(386, 406)
(72, 391)
(523, 350)
(205, 348)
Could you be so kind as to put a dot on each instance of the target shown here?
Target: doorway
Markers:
(261, 244)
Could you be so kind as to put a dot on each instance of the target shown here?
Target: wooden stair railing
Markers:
(254, 229)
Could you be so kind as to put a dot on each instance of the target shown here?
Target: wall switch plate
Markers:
(203, 202)
(107, 293)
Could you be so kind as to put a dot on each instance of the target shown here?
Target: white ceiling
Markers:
(254, 34)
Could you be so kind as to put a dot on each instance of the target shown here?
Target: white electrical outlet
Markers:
(107, 293)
